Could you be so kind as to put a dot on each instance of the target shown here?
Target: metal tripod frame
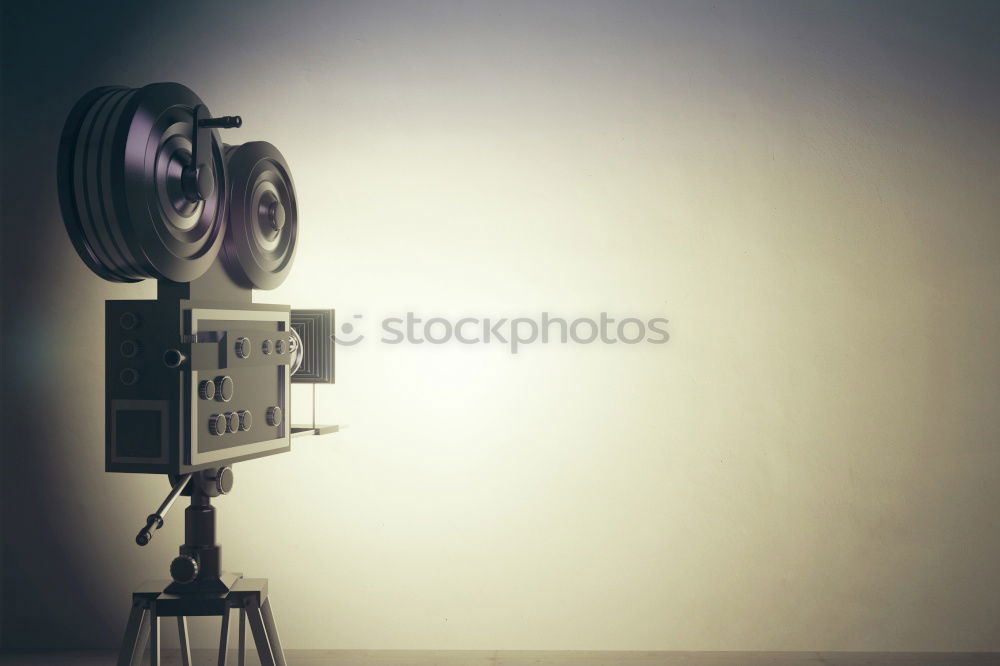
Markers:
(248, 595)
(199, 587)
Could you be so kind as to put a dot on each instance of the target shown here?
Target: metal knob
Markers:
(173, 358)
(128, 376)
(224, 480)
(224, 388)
(217, 424)
(274, 416)
(184, 569)
(206, 389)
(242, 347)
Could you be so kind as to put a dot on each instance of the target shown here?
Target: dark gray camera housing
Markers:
(174, 367)
(200, 377)
(197, 366)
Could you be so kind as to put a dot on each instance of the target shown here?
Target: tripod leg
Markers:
(243, 637)
(140, 646)
(182, 633)
(154, 638)
(131, 645)
(224, 637)
(264, 650)
(272, 633)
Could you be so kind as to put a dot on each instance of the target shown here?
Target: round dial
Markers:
(242, 347)
(217, 424)
(206, 389)
(128, 320)
(172, 358)
(274, 416)
(184, 569)
(224, 388)
(224, 480)
(246, 419)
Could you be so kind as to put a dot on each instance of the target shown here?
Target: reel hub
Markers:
(263, 216)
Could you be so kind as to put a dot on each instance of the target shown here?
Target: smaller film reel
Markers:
(142, 182)
(263, 216)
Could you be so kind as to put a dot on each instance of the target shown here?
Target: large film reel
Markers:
(263, 216)
(133, 202)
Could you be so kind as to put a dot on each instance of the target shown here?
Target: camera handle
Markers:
(155, 520)
(198, 179)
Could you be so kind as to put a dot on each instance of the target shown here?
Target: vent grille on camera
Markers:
(315, 328)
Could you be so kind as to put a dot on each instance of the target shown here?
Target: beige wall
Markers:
(809, 192)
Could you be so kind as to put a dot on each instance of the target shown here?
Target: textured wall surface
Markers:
(808, 191)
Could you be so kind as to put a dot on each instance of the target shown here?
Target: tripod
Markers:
(199, 587)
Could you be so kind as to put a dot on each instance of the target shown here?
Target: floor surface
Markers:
(543, 658)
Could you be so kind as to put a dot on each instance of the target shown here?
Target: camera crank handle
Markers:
(198, 178)
(155, 520)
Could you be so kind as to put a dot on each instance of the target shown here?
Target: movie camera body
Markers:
(200, 377)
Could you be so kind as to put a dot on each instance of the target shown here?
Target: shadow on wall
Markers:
(57, 563)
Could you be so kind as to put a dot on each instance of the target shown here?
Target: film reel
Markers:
(142, 182)
(263, 216)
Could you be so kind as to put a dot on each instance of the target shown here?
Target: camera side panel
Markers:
(142, 395)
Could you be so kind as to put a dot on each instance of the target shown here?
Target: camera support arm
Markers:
(155, 520)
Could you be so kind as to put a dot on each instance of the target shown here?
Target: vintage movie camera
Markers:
(200, 377)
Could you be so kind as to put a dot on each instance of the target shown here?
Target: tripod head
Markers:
(198, 566)
(209, 482)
